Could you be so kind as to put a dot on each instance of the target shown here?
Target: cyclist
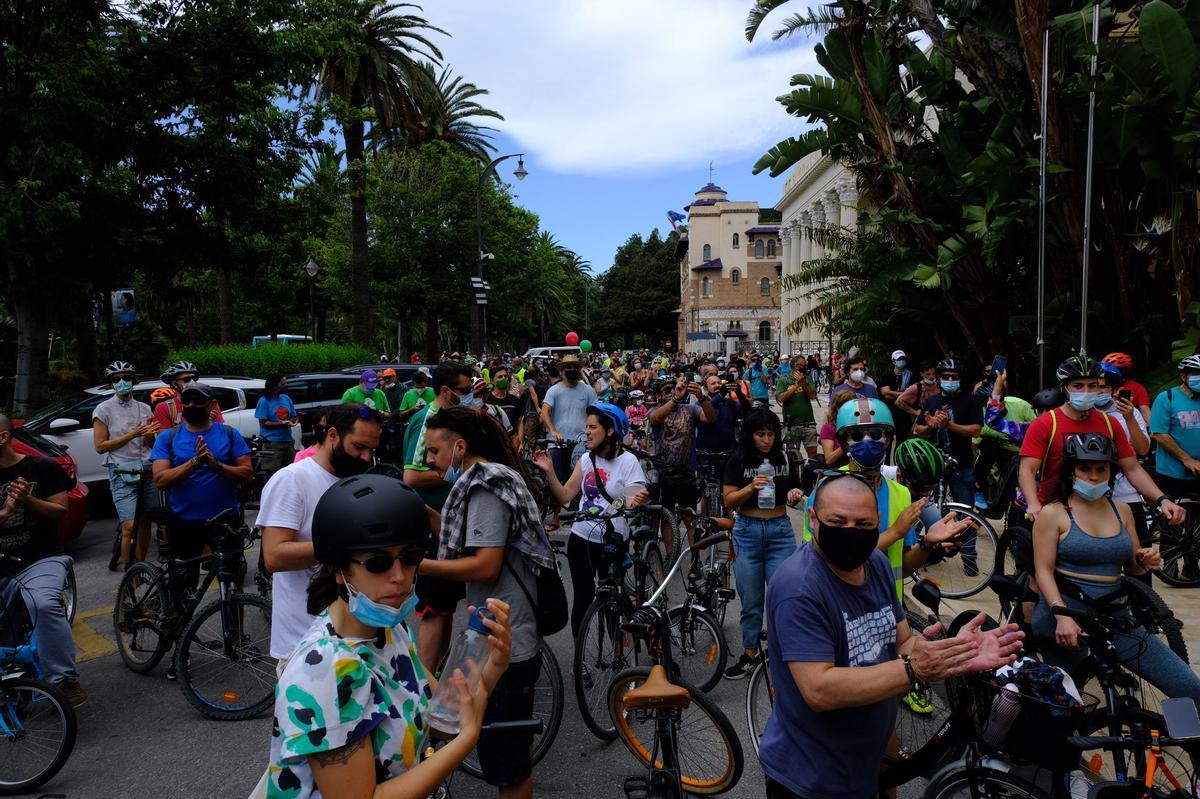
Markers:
(564, 415)
(502, 397)
(350, 709)
(491, 539)
(178, 375)
(368, 393)
(831, 448)
(912, 399)
(720, 435)
(795, 394)
(33, 498)
(993, 444)
(683, 405)
(1081, 544)
(1123, 412)
(1175, 424)
(757, 375)
(951, 419)
(416, 397)
(762, 537)
(390, 384)
(894, 384)
(123, 431)
(1137, 392)
(276, 417)
(637, 410)
(856, 381)
(604, 472)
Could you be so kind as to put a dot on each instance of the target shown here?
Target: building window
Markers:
(764, 286)
(704, 327)
(771, 248)
(736, 324)
(736, 276)
(736, 241)
(758, 249)
(706, 287)
(707, 252)
(764, 330)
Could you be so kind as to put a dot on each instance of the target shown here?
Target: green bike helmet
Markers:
(920, 462)
(864, 412)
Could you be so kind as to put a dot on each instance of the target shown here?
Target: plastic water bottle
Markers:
(469, 653)
(766, 494)
(1005, 708)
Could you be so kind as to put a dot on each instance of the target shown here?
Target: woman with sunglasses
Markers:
(492, 540)
(762, 537)
(352, 698)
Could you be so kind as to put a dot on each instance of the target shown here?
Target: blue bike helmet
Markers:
(620, 422)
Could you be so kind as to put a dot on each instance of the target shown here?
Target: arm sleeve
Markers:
(283, 502)
(101, 413)
(411, 435)
(54, 480)
(1160, 414)
(260, 410)
(733, 471)
(805, 630)
(1121, 439)
(488, 519)
(381, 402)
(1014, 430)
(160, 452)
(1140, 395)
(1037, 438)
(551, 395)
(325, 702)
(346, 395)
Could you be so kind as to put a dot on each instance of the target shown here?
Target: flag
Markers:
(675, 217)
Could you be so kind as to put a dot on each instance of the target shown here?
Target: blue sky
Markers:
(620, 105)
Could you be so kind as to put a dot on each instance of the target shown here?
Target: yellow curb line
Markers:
(91, 644)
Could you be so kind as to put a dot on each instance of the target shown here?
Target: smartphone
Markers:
(998, 365)
(1182, 721)
(1125, 394)
(695, 378)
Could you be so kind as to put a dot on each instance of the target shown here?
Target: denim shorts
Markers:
(505, 758)
(124, 489)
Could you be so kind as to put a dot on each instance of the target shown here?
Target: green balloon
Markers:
(585, 345)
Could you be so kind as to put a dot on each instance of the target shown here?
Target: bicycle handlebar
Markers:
(531, 726)
(1104, 624)
(1086, 742)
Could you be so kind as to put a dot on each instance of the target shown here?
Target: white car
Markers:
(68, 422)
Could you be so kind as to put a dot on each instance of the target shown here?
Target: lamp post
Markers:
(477, 344)
(311, 268)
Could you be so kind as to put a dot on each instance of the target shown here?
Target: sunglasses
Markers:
(381, 563)
(873, 433)
(117, 378)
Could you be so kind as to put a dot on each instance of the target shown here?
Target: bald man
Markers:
(841, 652)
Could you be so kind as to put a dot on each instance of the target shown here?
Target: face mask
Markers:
(1081, 400)
(637, 366)
(857, 375)
(195, 416)
(868, 453)
(471, 401)
(1104, 399)
(1193, 382)
(454, 472)
(733, 375)
(123, 387)
(571, 374)
(346, 465)
(1090, 491)
(637, 402)
(846, 547)
(502, 384)
(950, 386)
(900, 364)
(377, 614)
(929, 381)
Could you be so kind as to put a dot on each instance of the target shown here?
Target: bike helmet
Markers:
(180, 368)
(364, 512)
(118, 368)
(1119, 360)
(161, 394)
(1047, 399)
(1077, 366)
(614, 414)
(1190, 364)
(920, 461)
(949, 365)
(863, 412)
(1089, 447)
(1112, 374)
(637, 394)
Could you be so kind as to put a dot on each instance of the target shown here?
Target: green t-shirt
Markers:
(414, 457)
(798, 408)
(376, 399)
(414, 397)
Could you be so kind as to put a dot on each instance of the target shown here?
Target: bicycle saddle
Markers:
(656, 691)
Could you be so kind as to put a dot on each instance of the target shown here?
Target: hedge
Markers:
(239, 359)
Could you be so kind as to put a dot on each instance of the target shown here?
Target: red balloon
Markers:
(572, 339)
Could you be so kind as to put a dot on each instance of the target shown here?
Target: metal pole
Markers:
(1041, 302)
(312, 317)
(1087, 190)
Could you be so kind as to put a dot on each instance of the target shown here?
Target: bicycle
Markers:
(1179, 545)
(760, 694)
(710, 581)
(680, 736)
(534, 726)
(222, 658)
(37, 723)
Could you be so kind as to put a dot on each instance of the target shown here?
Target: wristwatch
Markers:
(1158, 502)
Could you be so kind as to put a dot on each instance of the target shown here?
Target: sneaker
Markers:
(73, 691)
(171, 668)
(742, 668)
(980, 500)
(917, 703)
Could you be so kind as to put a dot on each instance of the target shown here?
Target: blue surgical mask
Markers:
(1081, 400)
(1090, 491)
(1193, 382)
(123, 386)
(900, 363)
(1104, 399)
(471, 401)
(454, 472)
(949, 386)
(377, 614)
(868, 453)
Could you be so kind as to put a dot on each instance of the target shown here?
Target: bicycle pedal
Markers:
(726, 594)
(636, 788)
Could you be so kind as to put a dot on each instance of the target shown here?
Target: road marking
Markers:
(91, 644)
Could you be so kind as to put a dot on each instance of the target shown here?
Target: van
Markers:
(280, 338)
(553, 353)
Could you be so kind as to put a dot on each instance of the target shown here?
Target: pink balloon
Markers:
(572, 339)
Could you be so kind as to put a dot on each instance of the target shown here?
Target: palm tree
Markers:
(372, 72)
(446, 110)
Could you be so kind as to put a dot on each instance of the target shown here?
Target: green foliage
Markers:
(639, 294)
(237, 359)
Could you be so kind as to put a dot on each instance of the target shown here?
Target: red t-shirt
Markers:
(1139, 396)
(1037, 443)
(169, 413)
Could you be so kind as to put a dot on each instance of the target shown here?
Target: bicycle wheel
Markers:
(140, 615)
(710, 754)
(760, 696)
(673, 528)
(223, 660)
(70, 596)
(1152, 613)
(919, 716)
(37, 733)
(1180, 547)
(651, 558)
(602, 650)
(548, 700)
(982, 783)
(966, 573)
(698, 647)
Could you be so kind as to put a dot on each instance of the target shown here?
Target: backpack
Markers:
(1054, 434)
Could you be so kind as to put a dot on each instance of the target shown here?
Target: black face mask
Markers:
(195, 416)
(346, 465)
(846, 547)
(571, 374)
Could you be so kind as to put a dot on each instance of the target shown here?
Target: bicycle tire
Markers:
(139, 615)
(201, 645)
(982, 783)
(1152, 612)
(115, 558)
(701, 722)
(1179, 546)
(548, 701)
(913, 729)
(655, 566)
(24, 703)
(760, 697)
(954, 574)
(597, 660)
(699, 652)
(70, 596)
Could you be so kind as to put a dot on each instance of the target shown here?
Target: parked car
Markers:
(549, 353)
(26, 442)
(68, 423)
(312, 391)
(404, 371)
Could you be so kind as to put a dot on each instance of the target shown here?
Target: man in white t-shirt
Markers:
(288, 502)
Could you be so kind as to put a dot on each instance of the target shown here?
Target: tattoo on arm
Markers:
(341, 755)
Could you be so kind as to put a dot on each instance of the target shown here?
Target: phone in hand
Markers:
(1125, 394)
(999, 363)
(1182, 721)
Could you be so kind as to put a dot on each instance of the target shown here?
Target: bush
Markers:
(240, 359)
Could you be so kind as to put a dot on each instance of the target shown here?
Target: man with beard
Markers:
(288, 503)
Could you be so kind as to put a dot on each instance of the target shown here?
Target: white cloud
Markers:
(604, 87)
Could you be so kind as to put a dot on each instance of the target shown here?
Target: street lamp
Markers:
(477, 344)
(311, 268)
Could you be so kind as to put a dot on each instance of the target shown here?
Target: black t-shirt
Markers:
(509, 404)
(541, 387)
(741, 473)
(896, 382)
(964, 408)
(24, 534)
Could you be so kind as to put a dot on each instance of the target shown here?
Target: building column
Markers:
(791, 245)
(848, 199)
(805, 241)
(818, 222)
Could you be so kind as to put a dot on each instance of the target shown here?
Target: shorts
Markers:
(505, 759)
(806, 432)
(439, 597)
(124, 490)
(277, 454)
(679, 491)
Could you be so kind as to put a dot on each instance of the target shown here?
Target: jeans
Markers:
(125, 488)
(761, 546)
(41, 587)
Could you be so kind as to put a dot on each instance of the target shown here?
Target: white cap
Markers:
(898, 354)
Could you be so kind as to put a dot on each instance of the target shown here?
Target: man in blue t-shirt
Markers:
(756, 375)
(1175, 425)
(841, 651)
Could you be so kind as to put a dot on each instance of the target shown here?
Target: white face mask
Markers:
(857, 375)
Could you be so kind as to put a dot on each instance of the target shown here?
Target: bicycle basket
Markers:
(1046, 717)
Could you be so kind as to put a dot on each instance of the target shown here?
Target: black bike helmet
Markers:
(364, 512)
(949, 365)
(1089, 447)
(1047, 399)
(1078, 366)
(118, 368)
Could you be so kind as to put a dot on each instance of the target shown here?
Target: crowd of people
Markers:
(494, 448)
